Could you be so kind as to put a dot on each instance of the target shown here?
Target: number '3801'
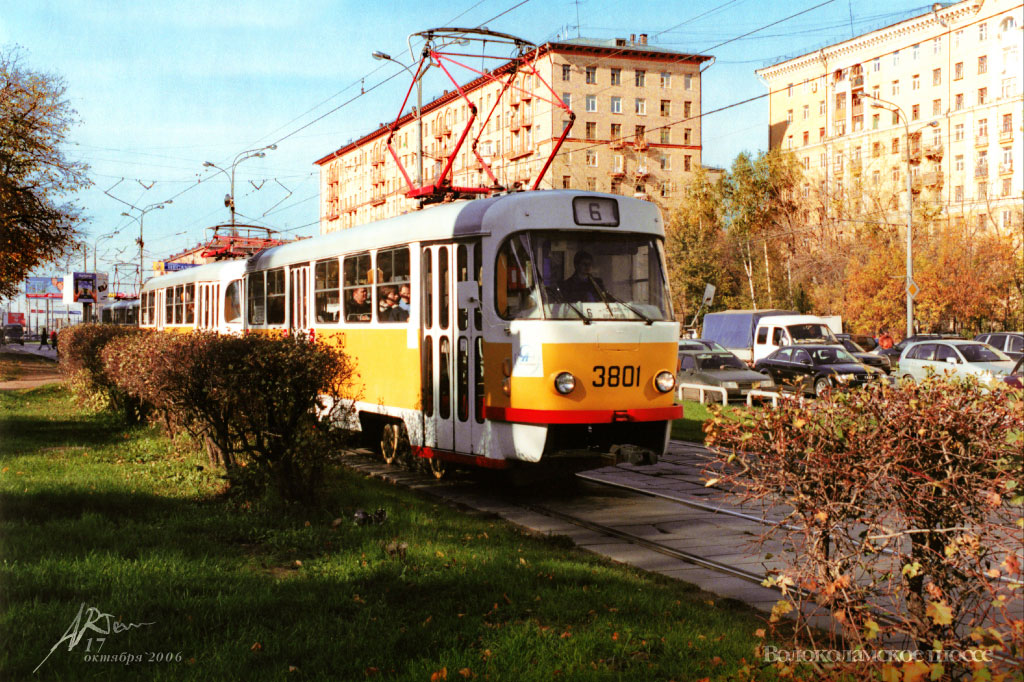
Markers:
(613, 376)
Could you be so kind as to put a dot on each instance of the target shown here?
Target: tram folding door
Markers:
(298, 316)
(452, 380)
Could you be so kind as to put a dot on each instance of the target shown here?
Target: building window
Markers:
(640, 106)
(789, 90)
(982, 193)
(616, 76)
(567, 99)
(616, 131)
(895, 174)
(789, 142)
(983, 128)
(958, 193)
(591, 103)
(915, 82)
(1009, 87)
(566, 71)
(895, 118)
(566, 181)
(936, 76)
(875, 120)
(895, 145)
(916, 51)
(807, 163)
(591, 130)
(640, 78)
(807, 138)
(822, 159)
(876, 149)
(638, 132)
(665, 188)
(957, 37)
(821, 107)
(958, 132)
(666, 79)
(982, 95)
(876, 65)
(915, 112)
(982, 31)
(616, 105)
(686, 135)
(959, 162)
(1006, 193)
(937, 46)
(982, 64)
(688, 81)
(821, 134)
(591, 158)
(807, 111)
(958, 71)
(896, 58)
(666, 136)
(1007, 124)
(789, 116)
(686, 162)
(958, 102)
(895, 87)
(666, 107)
(876, 177)
(666, 162)
(592, 184)
(936, 107)
(936, 137)
(617, 163)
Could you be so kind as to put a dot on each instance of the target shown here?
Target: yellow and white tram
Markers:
(514, 327)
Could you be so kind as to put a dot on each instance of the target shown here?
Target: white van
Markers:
(787, 330)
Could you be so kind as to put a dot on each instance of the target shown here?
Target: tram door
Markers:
(298, 305)
(452, 380)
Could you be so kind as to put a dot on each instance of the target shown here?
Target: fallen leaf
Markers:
(441, 674)
(466, 672)
(939, 612)
(759, 633)
(615, 636)
(256, 646)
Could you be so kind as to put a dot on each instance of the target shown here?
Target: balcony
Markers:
(1006, 135)
(981, 140)
(981, 171)
(1006, 168)
(933, 178)
(934, 152)
(642, 173)
(616, 143)
(617, 173)
(640, 144)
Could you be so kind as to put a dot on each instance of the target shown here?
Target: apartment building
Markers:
(637, 132)
(952, 75)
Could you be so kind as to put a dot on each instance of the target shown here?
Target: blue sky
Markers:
(163, 86)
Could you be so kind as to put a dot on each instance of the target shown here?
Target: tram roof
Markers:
(211, 272)
(543, 209)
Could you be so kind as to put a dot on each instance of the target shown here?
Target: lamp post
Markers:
(96, 247)
(911, 288)
(139, 219)
(229, 200)
(383, 56)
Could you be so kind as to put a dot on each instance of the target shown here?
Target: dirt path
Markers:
(30, 370)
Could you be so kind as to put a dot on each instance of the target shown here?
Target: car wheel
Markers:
(821, 387)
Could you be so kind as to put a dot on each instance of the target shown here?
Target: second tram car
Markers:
(515, 327)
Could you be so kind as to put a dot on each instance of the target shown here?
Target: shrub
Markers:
(904, 501)
(81, 362)
(263, 406)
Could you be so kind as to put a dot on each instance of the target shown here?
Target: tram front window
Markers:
(577, 275)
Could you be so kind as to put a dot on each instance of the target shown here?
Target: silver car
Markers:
(954, 357)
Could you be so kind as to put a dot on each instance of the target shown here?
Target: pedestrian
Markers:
(885, 340)
(44, 340)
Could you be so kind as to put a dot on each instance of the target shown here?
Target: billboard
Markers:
(80, 287)
(44, 287)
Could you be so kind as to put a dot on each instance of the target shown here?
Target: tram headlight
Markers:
(565, 382)
(665, 381)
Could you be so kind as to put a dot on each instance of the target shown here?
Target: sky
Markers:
(162, 86)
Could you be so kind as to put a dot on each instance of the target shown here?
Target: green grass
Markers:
(135, 525)
(691, 427)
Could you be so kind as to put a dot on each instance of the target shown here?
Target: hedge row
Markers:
(263, 406)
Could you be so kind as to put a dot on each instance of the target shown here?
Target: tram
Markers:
(516, 327)
(124, 313)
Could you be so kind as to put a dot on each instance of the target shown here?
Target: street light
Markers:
(880, 103)
(139, 219)
(383, 56)
(229, 200)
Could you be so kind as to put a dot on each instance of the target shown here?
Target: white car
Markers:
(954, 357)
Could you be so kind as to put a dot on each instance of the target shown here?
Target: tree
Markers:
(37, 223)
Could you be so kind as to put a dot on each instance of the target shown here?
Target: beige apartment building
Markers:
(637, 132)
(955, 74)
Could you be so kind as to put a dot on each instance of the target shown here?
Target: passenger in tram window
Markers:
(404, 294)
(582, 285)
(389, 311)
(357, 308)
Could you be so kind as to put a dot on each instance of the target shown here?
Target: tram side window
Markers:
(256, 304)
(275, 296)
(179, 304)
(426, 272)
(151, 308)
(326, 294)
(233, 302)
(143, 309)
(515, 292)
(169, 305)
(394, 294)
(190, 304)
(357, 271)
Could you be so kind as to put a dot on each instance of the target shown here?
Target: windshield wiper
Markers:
(586, 319)
(605, 295)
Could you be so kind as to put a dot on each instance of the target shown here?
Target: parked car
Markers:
(816, 368)
(896, 351)
(722, 369)
(1015, 379)
(753, 334)
(701, 344)
(882, 362)
(1011, 343)
(955, 357)
(14, 333)
(865, 341)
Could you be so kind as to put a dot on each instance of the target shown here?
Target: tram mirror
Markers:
(469, 294)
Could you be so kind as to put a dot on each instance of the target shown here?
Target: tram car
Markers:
(206, 297)
(124, 313)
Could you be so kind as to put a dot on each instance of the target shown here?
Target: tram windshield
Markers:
(581, 275)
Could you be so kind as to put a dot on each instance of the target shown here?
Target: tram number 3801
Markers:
(614, 376)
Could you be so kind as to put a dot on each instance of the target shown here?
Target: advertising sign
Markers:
(16, 318)
(102, 289)
(80, 287)
(44, 287)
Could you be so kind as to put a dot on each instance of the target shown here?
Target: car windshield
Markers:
(979, 352)
(719, 361)
(810, 333)
(714, 345)
(581, 275)
(852, 346)
(831, 356)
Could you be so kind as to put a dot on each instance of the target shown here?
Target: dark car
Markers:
(865, 341)
(701, 344)
(722, 369)
(882, 362)
(14, 333)
(816, 368)
(896, 351)
(1011, 343)
(1015, 379)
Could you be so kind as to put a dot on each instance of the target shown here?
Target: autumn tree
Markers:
(37, 218)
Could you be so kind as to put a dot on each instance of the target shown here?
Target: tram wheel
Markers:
(393, 443)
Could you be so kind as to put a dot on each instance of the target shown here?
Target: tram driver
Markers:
(582, 285)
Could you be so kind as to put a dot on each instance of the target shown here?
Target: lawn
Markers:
(135, 526)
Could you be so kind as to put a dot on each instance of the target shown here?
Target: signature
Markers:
(90, 620)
